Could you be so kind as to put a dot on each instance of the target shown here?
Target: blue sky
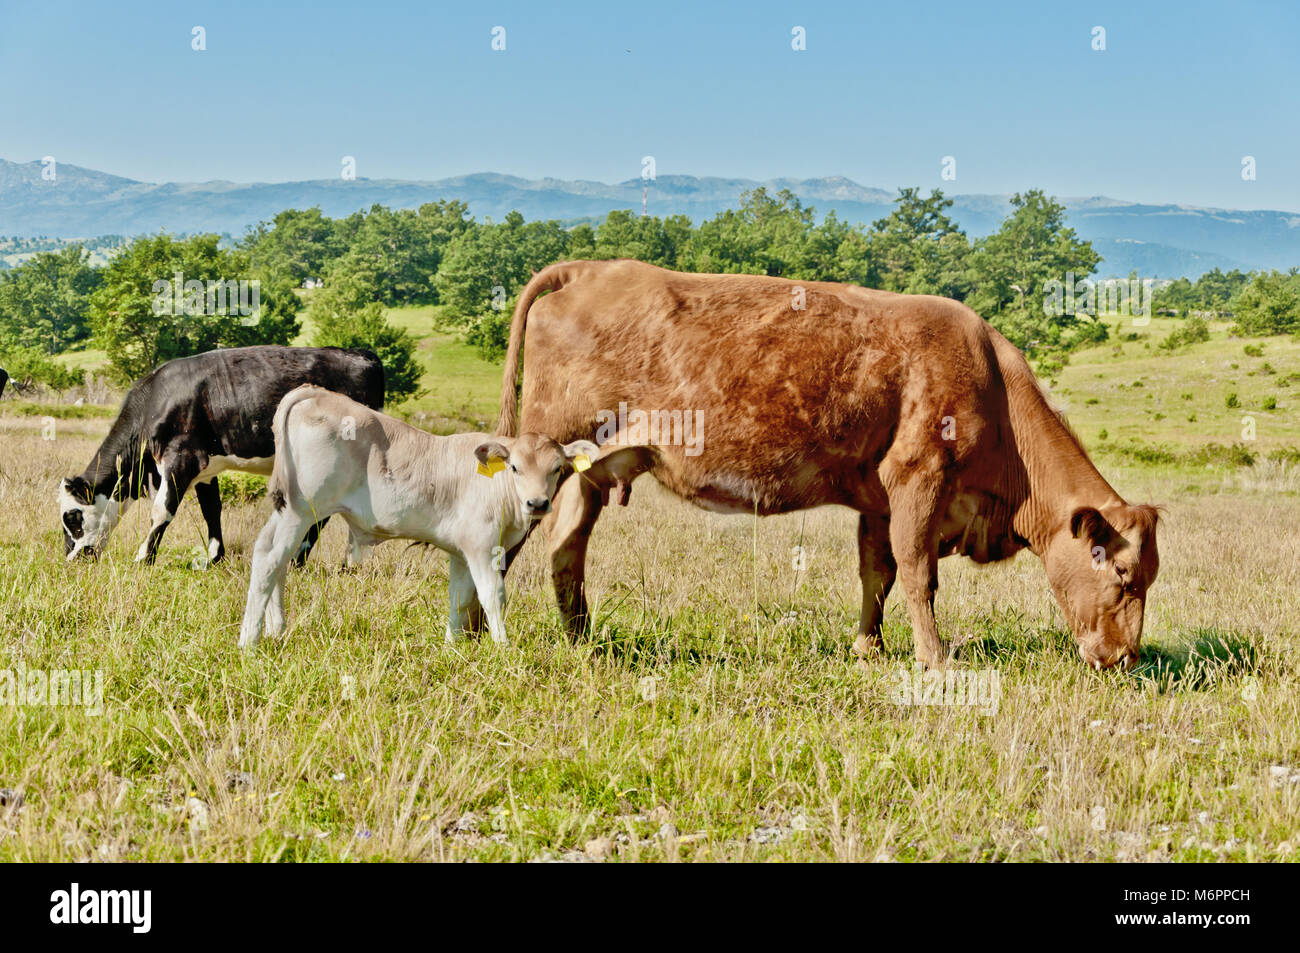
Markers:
(881, 94)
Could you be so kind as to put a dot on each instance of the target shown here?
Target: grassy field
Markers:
(717, 714)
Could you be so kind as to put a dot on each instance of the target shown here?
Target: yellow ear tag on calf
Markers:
(581, 462)
(493, 466)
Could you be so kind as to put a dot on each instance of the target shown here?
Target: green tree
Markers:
(645, 238)
(293, 246)
(163, 298)
(918, 249)
(44, 301)
(401, 249)
(1269, 304)
(767, 235)
(484, 270)
(1012, 269)
(345, 313)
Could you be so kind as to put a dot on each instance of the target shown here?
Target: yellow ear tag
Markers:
(581, 462)
(493, 466)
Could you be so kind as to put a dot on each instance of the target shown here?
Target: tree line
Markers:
(473, 271)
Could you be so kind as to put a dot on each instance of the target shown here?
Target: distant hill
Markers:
(1154, 240)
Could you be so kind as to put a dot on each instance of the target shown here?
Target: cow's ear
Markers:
(79, 489)
(1091, 525)
(627, 463)
(491, 449)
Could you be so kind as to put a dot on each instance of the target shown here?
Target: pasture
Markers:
(716, 714)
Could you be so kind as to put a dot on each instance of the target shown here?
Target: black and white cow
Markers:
(4, 379)
(188, 421)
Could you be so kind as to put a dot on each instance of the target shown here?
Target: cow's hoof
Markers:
(932, 661)
(865, 646)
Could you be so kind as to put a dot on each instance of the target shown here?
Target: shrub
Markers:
(340, 322)
(30, 367)
(1231, 401)
(1194, 330)
(241, 487)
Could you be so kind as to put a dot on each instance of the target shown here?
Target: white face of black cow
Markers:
(88, 517)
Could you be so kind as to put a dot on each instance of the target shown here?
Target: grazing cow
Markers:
(188, 421)
(909, 409)
(390, 481)
(4, 379)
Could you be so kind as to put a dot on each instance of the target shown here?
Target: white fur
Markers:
(392, 481)
(97, 518)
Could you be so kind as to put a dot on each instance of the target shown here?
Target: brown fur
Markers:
(909, 409)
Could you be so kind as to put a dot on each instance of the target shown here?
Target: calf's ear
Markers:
(492, 449)
(581, 453)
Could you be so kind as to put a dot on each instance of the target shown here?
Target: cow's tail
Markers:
(281, 482)
(550, 278)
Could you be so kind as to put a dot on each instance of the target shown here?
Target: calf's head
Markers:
(534, 464)
(1100, 565)
(87, 516)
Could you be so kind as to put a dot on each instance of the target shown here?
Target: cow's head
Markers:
(535, 464)
(1100, 564)
(88, 517)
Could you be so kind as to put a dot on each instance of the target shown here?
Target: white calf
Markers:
(389, 480)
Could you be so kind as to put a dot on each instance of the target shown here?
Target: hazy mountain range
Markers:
(1154, 240)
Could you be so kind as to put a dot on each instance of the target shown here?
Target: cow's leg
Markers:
(275, 548)
(174, 475)
(915, 508)
(209, 497)
(877, 569)
(577, 507)
(464, 613)
(308, 543)
(490, 585)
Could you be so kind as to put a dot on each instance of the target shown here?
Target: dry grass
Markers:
(718, 715)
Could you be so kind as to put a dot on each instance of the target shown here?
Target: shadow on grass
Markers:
(1206, 659)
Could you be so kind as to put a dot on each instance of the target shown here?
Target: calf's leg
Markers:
(464, 613)
(275, 547)
(877, 569)
(490, 585)
(308, 543)
(577, 507)
(359, 546)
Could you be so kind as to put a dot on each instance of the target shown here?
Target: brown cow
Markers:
(909, 409)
